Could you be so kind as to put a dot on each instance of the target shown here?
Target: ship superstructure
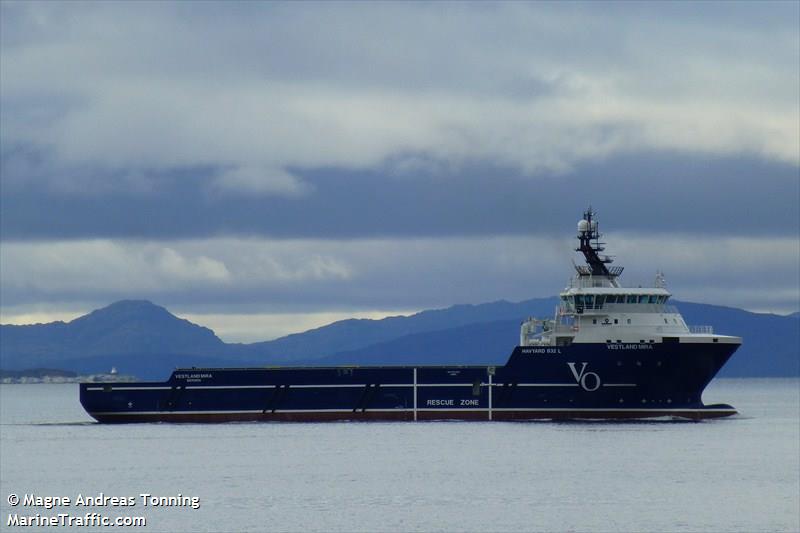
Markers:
(596, 308)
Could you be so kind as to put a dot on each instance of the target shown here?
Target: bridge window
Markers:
(631, 298)
(642, 298)
(653, 299)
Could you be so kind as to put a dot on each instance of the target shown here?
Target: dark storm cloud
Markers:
(659, 192)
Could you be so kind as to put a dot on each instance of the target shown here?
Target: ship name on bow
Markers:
(548, 351)
(629, 346)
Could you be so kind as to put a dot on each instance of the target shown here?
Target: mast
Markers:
(596, 262)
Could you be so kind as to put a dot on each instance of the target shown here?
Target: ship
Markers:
(609, 352)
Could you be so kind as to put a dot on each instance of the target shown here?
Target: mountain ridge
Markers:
(145, 339)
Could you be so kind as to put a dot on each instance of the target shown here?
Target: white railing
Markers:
(707, 330)
(588, 282)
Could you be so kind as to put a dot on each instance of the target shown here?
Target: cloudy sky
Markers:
(263, 168)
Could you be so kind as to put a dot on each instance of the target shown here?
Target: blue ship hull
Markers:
(579, 381)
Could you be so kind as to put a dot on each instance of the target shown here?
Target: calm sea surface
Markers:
(738, 474)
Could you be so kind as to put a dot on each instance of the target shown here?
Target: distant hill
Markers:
(128, 327)
(482, 343)
(37, 373)
(355, 334)
(144, 339)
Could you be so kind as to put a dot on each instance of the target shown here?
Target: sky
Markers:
(266, 168)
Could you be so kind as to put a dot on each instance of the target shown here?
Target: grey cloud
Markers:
(659, 192)
(267, 276)
(348, 85)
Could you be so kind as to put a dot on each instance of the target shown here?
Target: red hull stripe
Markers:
(395, 415)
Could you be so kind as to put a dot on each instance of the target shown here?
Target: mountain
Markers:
(144, 339)
(482, 343)
(355, 334)
(128, 327)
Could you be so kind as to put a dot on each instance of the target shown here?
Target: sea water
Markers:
(735, 474)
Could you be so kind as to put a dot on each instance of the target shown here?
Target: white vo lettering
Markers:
(580, 377)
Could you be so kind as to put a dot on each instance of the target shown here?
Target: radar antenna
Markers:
(596, 263)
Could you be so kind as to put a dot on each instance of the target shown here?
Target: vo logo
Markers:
(591, 384)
